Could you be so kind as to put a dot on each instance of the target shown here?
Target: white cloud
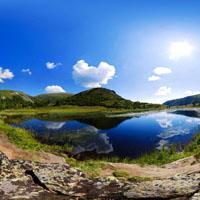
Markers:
(163, 91)
(52, 65)
(162, 70)
(190, 92)
(91, 76)
(5, 74)
(154, 78)
(28, 71)
(54, 89)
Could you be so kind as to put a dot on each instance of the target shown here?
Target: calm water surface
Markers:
(124, 136)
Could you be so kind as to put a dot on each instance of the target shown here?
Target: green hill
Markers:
(15, 99)
(52, 99)
(93, 97)
(107, 98)
(190, 100)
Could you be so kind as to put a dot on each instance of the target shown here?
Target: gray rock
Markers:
(21, 179)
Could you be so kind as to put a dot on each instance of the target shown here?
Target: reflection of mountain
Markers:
(103, 123)
(100, 144)
(83, 139)
(58, 121)
(188, 113)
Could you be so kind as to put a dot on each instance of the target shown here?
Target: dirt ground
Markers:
(183, 166)
(13, 152)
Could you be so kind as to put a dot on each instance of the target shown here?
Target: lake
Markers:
(129, 135)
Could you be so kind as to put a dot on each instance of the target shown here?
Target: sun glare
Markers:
(180, 49)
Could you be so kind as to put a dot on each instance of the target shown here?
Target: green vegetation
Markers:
(95, 97)
(161, 157)
(156, 158)
(139, 178)
(54, 99)
(66, 111)
(99, 102)
(122, 174)
(15, 99)
(91, 167)
(165, 155)
(190, 100)
(25, 140)
(107, 98)
(194, 146)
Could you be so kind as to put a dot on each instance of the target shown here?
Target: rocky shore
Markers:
(20, 179)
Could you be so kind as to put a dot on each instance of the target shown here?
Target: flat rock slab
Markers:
(21, 179)
(179, 186)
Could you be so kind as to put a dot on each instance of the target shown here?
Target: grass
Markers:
(194, 146)
(122, 174)
(25, 140)
(139, 178)
(68, 110)
(160, 157)
(91, 167)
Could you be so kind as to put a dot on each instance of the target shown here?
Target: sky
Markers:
(145, 50)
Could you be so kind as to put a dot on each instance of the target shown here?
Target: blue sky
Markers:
(145, 50)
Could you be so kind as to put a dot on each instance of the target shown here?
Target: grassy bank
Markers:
(68, 111)
(25, 140)
(64, 110)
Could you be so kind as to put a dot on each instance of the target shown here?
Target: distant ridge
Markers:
(51, 99)
(189, 100)
(15, 99)
(93, 97)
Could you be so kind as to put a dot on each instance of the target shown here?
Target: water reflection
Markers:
(122, 136)
(54, 125)
(188, 112)
(174, 125)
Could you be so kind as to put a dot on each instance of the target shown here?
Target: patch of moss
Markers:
(139, 179)
(121, 174)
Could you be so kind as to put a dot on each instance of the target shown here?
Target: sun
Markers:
(180, 49)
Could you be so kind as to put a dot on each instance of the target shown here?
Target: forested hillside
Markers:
(93, 97)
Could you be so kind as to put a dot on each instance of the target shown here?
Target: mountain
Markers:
(93, 97)
(52, 99)
(190, 100)
(105, 97)
(15, 99)
(96, 97)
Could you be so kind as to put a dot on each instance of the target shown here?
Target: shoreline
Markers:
(37, 171)
(183, 165)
